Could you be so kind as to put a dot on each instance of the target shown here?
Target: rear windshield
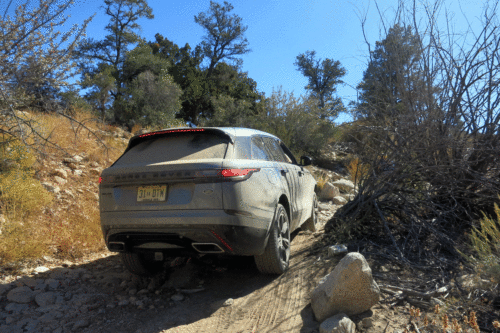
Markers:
(182, 146)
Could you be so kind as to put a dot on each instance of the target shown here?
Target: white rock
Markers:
(348, 289)
(339, 200)
(228, 302)
(59, 180)
(339, 323)
(78, 158)
(21, 295)
(344, 185)
(41, 269)
(329, 191)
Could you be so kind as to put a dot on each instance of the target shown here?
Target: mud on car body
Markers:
(185, 191)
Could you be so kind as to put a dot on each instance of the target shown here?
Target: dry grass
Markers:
(321, 180)
(485, 244)
(440, 321)
(38, 222)
(357, 170)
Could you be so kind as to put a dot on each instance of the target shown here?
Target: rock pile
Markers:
(336, 189)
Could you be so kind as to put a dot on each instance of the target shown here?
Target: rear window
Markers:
(188, 146)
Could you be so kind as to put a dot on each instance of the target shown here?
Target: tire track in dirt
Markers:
(276, 307)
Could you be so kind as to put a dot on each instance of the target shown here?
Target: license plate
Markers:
(152, 193)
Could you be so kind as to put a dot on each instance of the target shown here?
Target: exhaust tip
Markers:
(116, 246)
(207, 248)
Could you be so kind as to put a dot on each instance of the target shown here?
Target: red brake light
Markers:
(237, 172)
(172, 131)
(100, 179)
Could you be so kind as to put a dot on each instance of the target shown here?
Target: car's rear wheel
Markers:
(138, 265)
(312, 223)
(276, 256)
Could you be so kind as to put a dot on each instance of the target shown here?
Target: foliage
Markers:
(225, 34)
(188, 74)
(229, 111)
(35, 58)
(110, 53)
(392, 78)
(151, 96)
(324, 76)
(100, 83)
(297, 122)
(154, 99)
(429, 131)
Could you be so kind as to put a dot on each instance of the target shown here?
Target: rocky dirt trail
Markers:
(97, 294)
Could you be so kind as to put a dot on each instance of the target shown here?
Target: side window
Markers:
(274, 149)
(242, 148)
(258, 150)
(288, 154)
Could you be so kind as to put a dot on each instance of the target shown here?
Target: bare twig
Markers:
(411, 292)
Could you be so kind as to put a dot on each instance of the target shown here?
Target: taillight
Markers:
(224, 174)
(106, 179)
(237, 174)
(172, 131)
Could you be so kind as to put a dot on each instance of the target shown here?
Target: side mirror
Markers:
(305, 160)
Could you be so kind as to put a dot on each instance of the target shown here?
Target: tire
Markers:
(311, 223)
(276, 256)
(138, 265)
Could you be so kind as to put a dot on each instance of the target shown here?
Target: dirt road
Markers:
(215, 295)
(97, 294)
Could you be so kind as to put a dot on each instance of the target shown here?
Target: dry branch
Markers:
(410, 292)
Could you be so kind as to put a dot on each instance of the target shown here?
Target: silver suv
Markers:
(185, 191)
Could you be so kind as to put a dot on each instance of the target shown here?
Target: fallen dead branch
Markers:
(410, 292)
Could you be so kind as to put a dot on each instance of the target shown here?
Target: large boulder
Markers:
(339, 323)
(348, 289)
(329, 191)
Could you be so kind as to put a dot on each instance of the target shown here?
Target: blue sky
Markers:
(277, 32)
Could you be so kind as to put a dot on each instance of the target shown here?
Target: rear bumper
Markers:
(176, 231)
